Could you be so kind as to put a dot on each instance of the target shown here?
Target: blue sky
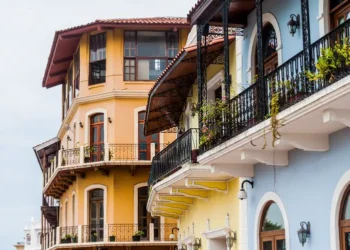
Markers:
(31, 114)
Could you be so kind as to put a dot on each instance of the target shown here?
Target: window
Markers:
(73, 210)
(97, 138)
(272, 233)
(77, 72)
(96, 211)
(147, 53)
(145, 141)
(344, 222)
(97, 59)
(340, 12)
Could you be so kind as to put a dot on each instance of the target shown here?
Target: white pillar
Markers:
(105, 233)
(58, 236)
(59, 158)
(106, 152)
(153, 150)
(80, 230)
(81, 160)
(151, 231)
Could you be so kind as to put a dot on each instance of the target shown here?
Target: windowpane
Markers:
(273, 219)
(97, 72)
(347, 240)
(173, 43)
(150, 69)
(281, 244)
(346, 211)
(141, 134)
(151, 43)
(267, 245)
(98, 47)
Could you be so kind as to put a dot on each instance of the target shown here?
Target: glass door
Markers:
(96, 215)
(97, 138)
(144, 151)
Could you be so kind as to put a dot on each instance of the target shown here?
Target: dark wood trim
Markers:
(58, 73)
(344, 225)
(62, 60)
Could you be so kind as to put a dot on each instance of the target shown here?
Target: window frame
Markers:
(96, 62)
(136, 58)
(339, 10)
(344, 225)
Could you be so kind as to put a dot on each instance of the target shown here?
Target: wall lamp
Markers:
(304, 233)
(242, 194)
(194, 108)
(197, 243)
(68, 138)
(293, 24)
(109, 120)
(172, 235)
(183, 247)
(231, 238)
(81, 124)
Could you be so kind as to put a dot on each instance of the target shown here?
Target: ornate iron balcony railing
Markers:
(169, 160)
(289, 81)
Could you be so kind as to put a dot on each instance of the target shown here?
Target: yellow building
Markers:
(96, 169)
(201, 196)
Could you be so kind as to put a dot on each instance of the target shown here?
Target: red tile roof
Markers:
(64, 48)
(193, 9)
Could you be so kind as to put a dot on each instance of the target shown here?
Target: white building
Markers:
(32, 236)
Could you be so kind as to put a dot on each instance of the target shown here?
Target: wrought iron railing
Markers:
(92, 233)
(289, 81)
(169, 160)
(121, 232)
(94, 153)
(69, 234)
(134, 152)
(70, 156)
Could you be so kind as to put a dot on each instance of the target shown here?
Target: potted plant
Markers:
(63, 240)
(93, 237)
(75, 239)
(68, 238)
(112, 238)
(137, 236)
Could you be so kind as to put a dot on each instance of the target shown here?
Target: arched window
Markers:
(97, 137)
(96, 213)
(269, 50)
(73, 210)
(272, 233)
(145, 141)
(339, 11)
(344, 222)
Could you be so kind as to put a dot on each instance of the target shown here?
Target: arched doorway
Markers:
(97, 137)
(96, 213)
(272, 229)
(344, 221)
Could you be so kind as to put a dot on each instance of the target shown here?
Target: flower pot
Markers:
(112, 238)
(69, 240)
(136, 238)
(74, 240)
(93, 238)
(194, 155)
(63, 241)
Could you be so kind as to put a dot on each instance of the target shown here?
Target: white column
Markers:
(106, 152)
(81, 155)
(153, 150)
(80, 230)
(151, 232)
(105, 233)
(243, 222)
(54, 163)
(58, 236)
(59, 158)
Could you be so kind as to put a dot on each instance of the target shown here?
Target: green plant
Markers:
(138, 233)
(68, 236)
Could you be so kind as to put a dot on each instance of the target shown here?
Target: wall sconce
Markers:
(293, 24)
(194, 108)
(68, 138)
(81, 124)
(109, 120)
(231, 238)
(197, 243)
(172, 235)
(304, 233)
(183, 247)
(242, 194)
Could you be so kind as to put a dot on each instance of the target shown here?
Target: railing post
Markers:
(106, 152)
(54, 163)
(81, 160)
(153, 150)
(58, 236)
(105, 233)
(59, 157)
(151, 232)
(80, 230)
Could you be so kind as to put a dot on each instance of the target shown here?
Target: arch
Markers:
(323, 17)
(338, 195)
(136, 125)
(86, 201)
(267, 18)
(265, 200)
(87, 123)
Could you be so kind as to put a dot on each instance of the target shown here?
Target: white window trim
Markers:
(87, 124)
(136, 125)
(266, 198)
(323, 17)
(86, 202)
(74, 218)
(338, 195)
(267, 18)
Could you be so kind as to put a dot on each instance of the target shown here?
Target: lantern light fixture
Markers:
(293, 24)
(183, 247)
(231, 238)
(81, 124)
(304, 233)
(197, 243)
(242, 194)
(109, 120)
(172, 235)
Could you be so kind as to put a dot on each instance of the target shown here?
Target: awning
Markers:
(167, 99)
(43, 150)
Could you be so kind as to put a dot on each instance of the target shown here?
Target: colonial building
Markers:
(32, 236)
(95, 170)
(273, 127)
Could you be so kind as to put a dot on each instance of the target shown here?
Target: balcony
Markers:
(112, 235)
(289, 82)
(76, 161)
(184, 149)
